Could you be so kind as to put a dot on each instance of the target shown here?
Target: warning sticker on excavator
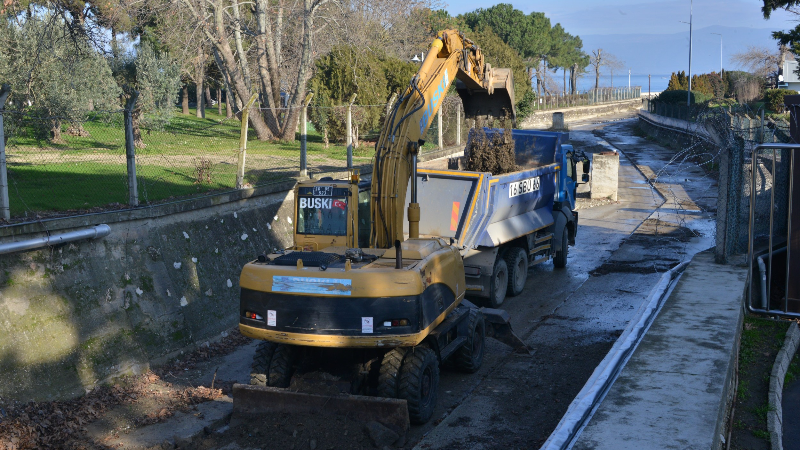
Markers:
(367, 325)
(308, 285)
(454, 216)
(272, 318)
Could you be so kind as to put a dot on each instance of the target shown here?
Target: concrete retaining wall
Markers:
(544, 119)
(165, 280)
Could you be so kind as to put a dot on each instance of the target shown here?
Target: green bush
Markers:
(525, 106)
(679, 97)
(774, 98)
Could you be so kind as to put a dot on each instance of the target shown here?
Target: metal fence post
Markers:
(304, 136)
(243, 142)
(350, 132)
(458, 125)
(130, 149)
(440, 141)
(4, 205)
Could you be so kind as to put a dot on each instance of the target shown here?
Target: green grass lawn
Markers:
(89, 172)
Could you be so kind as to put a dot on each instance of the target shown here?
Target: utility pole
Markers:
(629, 78)
(720, 52)
(648, 86)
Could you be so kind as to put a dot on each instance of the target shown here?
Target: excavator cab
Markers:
(331, 213)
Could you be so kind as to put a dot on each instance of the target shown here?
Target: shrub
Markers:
(679, 97)
(525, 106)
(774, 98)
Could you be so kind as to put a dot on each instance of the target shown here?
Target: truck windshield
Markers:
(322, 215)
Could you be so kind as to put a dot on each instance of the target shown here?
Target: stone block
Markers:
(605, 175)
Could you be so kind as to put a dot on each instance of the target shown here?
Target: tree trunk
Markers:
(573, 79)
(214, 28)
(293, 114)
(237, 35)
(136, 119)
(55, 132)
(185, 100)
(228, 105)
(219, 101)
(597, 77)
(270, 85)
(200, 75)
(209, 100)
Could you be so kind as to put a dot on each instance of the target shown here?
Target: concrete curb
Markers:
(782, 361)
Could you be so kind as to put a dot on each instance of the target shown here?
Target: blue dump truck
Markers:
(505, 223)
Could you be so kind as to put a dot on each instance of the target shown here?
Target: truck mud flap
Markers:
(258, 400)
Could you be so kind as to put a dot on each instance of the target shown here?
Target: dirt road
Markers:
(569, 317)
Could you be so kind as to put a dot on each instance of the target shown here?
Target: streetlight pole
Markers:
(720, 52)
(689, 94)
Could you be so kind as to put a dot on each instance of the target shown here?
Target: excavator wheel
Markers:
(389, 378)
(259, 370)
(469, 357)
(272, 365)
(419, 383)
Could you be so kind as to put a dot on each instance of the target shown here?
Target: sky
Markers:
(643, 16)
(659, 43)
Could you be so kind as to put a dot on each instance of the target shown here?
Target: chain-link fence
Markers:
(76, 163)
(735, 131)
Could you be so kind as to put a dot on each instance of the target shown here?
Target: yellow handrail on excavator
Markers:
(485, 92)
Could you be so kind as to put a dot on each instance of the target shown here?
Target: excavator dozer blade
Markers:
(251, 400)
(479, 103)
(500, 328)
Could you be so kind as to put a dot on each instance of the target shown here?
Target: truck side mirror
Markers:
(585, 178)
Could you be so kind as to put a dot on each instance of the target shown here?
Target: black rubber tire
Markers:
(469, 357)
(419, 383)
(389, 377)
(281, 367)
(560, 259)
(259, 370)
(517, 263)
(499, 283)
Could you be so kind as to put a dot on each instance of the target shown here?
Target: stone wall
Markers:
(165, 280)
(544, 119)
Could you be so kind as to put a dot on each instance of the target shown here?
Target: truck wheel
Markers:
(517, 264)
(469, 357)
(389, 377)
(560, 260)
(419, 383)
(281, 366)
(499, 284)
(259, 370)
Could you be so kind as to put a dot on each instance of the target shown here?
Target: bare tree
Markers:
(603, 60)
(612, 64)
(760, 61)
(596, 61)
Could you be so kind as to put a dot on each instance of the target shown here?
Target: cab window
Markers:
(322, 215)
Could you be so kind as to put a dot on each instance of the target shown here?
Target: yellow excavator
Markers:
(355, 299)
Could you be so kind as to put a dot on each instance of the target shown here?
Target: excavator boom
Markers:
(485, 92)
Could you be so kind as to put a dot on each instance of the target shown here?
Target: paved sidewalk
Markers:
(674, 391)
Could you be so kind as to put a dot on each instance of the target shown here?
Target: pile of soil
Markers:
(495, 155)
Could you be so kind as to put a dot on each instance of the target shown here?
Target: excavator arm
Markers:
(485, 92)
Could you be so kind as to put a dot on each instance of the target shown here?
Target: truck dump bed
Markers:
(480, 209)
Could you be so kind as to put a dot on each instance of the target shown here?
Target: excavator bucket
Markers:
(496, 102)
